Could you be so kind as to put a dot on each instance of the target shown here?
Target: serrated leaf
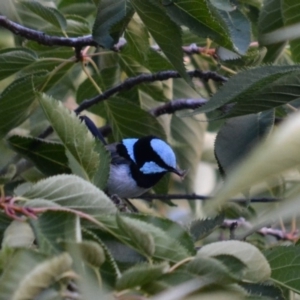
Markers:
(201, 228)
(277, 154)
(128, 119)
(172, 228)
(166, 247)
(233, 264)
(42, 276)
(252, 90)
(211, 268)
(258, 268)
(166, 33)
(108, 14)
(140, 275)
(83, 8)
(53, 227)
(13, 60)
(284, 263)
(270, 19)
(140, 239)
(238, 136)
(16, 107)
(48, 157)
(73, 192)
(229, 29)
(266, 291)
(74, 135)
(49, 14)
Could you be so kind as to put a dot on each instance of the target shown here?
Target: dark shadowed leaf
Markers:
(49, 157)
(267, 291)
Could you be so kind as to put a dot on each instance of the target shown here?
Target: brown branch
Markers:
(175, 105)
(134, 81)
(45, 39)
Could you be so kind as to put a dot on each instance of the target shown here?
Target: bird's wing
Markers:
(116, 159)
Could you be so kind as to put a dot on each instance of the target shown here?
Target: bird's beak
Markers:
(179, 172)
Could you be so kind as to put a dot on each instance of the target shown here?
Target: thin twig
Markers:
(201, 197)
(142, 78)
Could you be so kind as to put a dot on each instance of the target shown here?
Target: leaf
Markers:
(201, 228)
(128, 119)
(83, 8)
(238, 136)
(233, 264)
(13, 60)
(252, 90)
(166, 247)
(17, 269)
(74, 135)
(140, 275)
(173, 229)
(52, 228)
(49, 14)
(139, 239)
(258, 268)
(72, 192)
(270, 19)
(49, 157)
(108, 14)
(165, 32)
(277, 154)
(210, 268)
(229, 29)
(263, 290)
(284, 263)
(42, 276)
(16, 107)
(17, 235)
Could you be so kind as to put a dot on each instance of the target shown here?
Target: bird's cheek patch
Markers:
(151, 167)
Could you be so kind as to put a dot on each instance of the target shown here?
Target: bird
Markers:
(137, 164)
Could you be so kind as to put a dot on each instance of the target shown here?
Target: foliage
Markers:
(183, 71)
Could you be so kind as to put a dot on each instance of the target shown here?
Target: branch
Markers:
(201, 197)
(173, 106)
(278, 233)
(45, 39)
(133, 81)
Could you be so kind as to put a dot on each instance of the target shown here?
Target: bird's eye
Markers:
(151, 167)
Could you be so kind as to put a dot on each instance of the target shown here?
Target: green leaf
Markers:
(49, 14)
(201, 228)
(16, 107)
(108, 14)
(172, 228)
(284, 263)
(17, 235)
(211, 268)
(74, 135)
(43, 276)
(277, 154)
(52, 228)
(166, 247)
(49, 157)
(263, 290)
(72, 192)
(140, 275)
(233, 264)
(140, 239)
(83, 8)
(258, 268)
(13, 60)
(270, 19)
(128, 119)
(16, 270)
(229, 29)
(238, 136)
(166, 33)
(290, 16)
(253, 91)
